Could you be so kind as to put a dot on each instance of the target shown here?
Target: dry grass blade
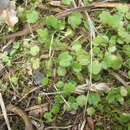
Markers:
(108, 4)
(56, 127)
(2, 69)
(96, 87)
(117, 76)
(4, 112)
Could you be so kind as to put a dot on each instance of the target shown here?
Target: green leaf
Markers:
(129, 126)
(67, 2)
(61, 71)
(35, 63)
(65, 59)
(32, 16)
(74, 106)
(55, 108)
(83, 59)
(96, 50)
(86, 24)
(42, 33)
(114, 95)
(94, 98)
(45, 81)
(111, 98)
(7, 60)
(126, 50)
(14, 80)
(105, 17)
(100, 40)
(76, 67)
(112, 49)
(123, 91)
(124, 117)
(122, 32)
(91, 111)
(113, 61)
(34, 50)
(128, 27)
(69, 87)
(76, 45)
(120, 99)
(128, 16)
(96, 67)
(61, 24)
(82, 100)
(113, 40)
(59, 84)
(52, 21)
(48, 116)
(72, 99)
(67, 107)
(58, 99)
(120, 41)
(122, 8)
(114, 21)
(75, 19)
(16, 45)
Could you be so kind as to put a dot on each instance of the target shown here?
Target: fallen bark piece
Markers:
(22, 114)
(90, 123)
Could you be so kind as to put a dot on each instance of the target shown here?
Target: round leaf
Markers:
(34, 50)
(90, 111)
(75, 19)
(82, 100)
(69, 87)
(65, 59)
(113, 61)
(123, 91)
(32, 16)
(96, 67)
(94, 98)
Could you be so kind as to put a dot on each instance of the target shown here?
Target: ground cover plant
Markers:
(66, 65)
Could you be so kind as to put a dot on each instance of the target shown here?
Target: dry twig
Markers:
(24, 32)
(4, 112)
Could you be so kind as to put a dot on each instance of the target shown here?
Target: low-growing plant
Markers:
(64, 54)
